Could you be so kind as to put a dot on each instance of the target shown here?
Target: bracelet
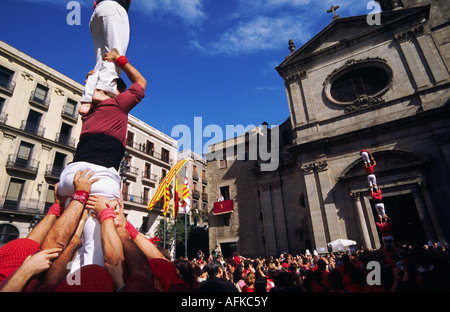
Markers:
(106, 213)
(131, 230)
(121, 61)
(81, 196)
(55, 209)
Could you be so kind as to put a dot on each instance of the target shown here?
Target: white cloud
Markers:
(259, 34)
(190, 11)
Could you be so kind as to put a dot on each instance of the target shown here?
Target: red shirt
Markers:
(376, 195)
(369, 169)
(110, 117)
(385, 228)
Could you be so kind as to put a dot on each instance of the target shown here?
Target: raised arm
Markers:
(132, 73)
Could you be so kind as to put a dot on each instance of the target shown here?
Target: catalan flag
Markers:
(161, 189)
(175, 198)
(185, 197)
(166, 199)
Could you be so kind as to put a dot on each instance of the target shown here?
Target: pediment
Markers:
(341, 31)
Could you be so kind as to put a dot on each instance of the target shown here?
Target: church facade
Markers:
(355, 85)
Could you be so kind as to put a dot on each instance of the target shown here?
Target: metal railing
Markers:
(15, 162)
(69, 111)
(142, 147)
(3, 118)
(53, 171)
(7, 85)
(65, 140)
(21, 206)
(32, 128)
(149, 176)
(41, 102)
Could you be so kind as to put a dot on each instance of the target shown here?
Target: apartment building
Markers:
(39, 128)
(151, 155)
(197, 177)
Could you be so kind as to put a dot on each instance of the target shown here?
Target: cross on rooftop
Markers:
(333, 9)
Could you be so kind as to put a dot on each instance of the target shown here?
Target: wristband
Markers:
(81, 196)
(106, 213)
(55, 209)
(131, 230)
(121, 61)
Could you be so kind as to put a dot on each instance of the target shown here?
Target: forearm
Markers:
(111, 242)
(134, 75)
(58, 270)
(42, 228)
(17, 282)
(64, 228)
(148, 248)
(134, 257)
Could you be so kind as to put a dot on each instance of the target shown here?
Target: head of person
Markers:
(121, 85)
(214, 268)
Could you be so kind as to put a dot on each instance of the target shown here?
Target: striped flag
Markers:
(185, 197)
(166, 200)
(176, 199)
(161, 189)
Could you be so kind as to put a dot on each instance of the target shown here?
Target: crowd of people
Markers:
(133, 263)
(401, 269)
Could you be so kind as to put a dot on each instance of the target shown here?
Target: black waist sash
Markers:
(124, 3)
(100, 149)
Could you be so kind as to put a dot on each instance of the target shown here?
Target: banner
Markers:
(223, 207)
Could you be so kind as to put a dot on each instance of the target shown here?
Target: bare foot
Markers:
(84, 108)
(100, 96)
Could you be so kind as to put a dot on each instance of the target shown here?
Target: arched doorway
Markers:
(400, 175)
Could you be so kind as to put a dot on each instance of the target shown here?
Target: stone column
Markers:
(308, 98)
(279, 217)
(327, 200)
(268, 220)
(412, 58)
(362, 220)
(318, 229)
(432, 212)
(434, 59)
(297, 105)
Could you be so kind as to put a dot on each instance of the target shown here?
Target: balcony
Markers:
(21, 165)
(65, 140)
(38, 102)
(7, 86)
(3, 118)
(20, 206)
(195, 176)
(205, 197)
(142, 147)
(149, 177)
(195, 194)
(133, 199)
(68, 112)
(53, 172)
(132, 172)
(32, 128)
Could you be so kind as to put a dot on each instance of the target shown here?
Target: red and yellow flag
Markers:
(161, 189)
(175, 199)
(166, 200)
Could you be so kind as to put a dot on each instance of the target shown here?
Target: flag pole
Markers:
(185, 222)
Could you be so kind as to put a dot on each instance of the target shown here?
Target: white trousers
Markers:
(108, 185)
(110, 29)
(380, 209)
(372, 180)
(365, 157)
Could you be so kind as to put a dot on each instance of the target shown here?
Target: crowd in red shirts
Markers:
(400, 269)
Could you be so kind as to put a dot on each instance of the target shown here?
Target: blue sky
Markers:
(202, 58)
